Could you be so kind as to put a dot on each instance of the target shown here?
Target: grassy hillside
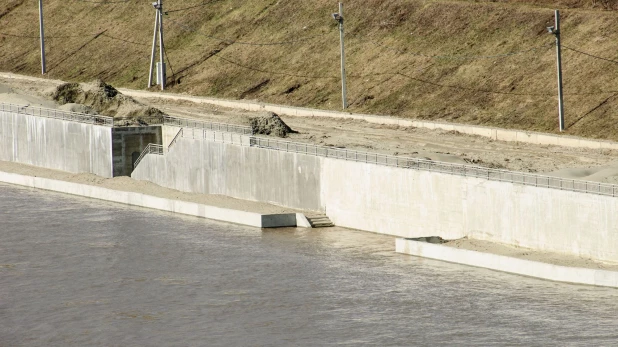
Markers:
(439, 60)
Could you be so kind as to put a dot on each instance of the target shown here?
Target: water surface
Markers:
(79, 272)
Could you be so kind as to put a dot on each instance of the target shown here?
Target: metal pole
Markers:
(161, 48)
(154, 48)
(42, 36)
(344, 91)
(559, 67)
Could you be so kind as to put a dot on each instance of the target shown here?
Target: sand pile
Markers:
(270, 124)
(99, 97)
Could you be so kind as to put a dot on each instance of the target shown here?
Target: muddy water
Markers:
(77, 272)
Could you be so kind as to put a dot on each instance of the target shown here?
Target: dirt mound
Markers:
(104, 99)
(270, 124)
(79, 108)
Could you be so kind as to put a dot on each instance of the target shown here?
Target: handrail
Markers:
(58, 114)
(179, 134)
(443, 167)
(213, 126)
(152, 148)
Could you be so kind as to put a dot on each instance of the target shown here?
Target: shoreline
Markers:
(588, 272)
(259, 219)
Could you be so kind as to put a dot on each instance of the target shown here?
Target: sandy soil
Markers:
(573, 163)
(529, 254)
(130, 185)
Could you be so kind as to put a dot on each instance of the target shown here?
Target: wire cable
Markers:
(283, 73)
(105, 2)
(590, 55)
(123, 40)
(194, 6)
(46, 36)
(232, 42)
(457, 57)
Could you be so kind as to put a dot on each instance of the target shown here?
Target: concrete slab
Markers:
(512, 265)
(142, 200)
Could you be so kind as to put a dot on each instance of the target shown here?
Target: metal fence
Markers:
(196, 124)
(150, 149)
(408, 163)
(58, 114)
(435, 166)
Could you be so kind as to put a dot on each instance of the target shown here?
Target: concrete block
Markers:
(279, 220)
(302, 221)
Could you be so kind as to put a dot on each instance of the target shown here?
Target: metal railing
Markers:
(436, 166)
(213, 126)
(411, 163)
(150, 149)
(58, 114)
(175, 139)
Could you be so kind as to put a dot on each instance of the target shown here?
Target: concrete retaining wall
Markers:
(56, 144)
(200, 166)
(394, 201)
(137, 199)
(496, 262)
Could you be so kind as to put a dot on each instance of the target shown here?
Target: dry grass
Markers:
(384, 39)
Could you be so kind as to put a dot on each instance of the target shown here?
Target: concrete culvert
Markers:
(270, 124)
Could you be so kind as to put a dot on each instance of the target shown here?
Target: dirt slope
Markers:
(405, 58)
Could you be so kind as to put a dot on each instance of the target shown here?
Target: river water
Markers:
(79, 272)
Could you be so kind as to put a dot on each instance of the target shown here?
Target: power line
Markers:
(457, 57)
(46, 36)
(590, 55)
(75, 36)
(123, 40)
(232, 42)
(105, 2)
(194, 6)
(272, 72)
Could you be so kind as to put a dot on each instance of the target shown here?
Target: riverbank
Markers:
(145, 194)
(572, 266)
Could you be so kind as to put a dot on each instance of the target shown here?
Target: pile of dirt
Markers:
(270, 124)
(102, 98)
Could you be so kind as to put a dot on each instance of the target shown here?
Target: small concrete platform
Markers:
(259, 220)
(575, 275)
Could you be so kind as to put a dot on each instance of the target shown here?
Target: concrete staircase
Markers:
(320, 221)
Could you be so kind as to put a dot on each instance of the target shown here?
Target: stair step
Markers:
(320, 222)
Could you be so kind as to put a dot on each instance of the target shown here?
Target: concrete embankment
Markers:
(577, 275)
(55, 143)
(259, 220)
(398, 201)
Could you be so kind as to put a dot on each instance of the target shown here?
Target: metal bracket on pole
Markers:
(42, 37)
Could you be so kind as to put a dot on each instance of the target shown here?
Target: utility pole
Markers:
(161, 47)
(556, 31)
(154, 48)
(42, 37)
(158, 31)
(339, 18)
